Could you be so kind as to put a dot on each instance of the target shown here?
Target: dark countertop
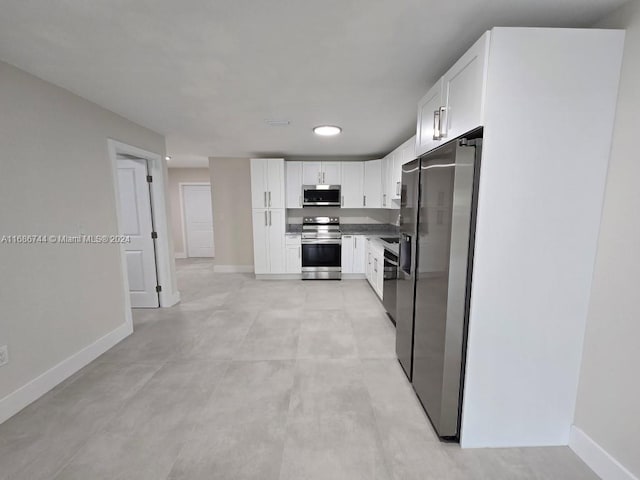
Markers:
(369, 229)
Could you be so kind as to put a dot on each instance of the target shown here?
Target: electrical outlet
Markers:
(4, 355)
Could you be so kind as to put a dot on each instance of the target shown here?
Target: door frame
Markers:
(183, 213)
(156, 165)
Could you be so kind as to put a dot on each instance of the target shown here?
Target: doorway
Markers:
(161, 289)
(197, 219)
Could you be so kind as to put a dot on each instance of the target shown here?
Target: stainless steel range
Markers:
(321, 248)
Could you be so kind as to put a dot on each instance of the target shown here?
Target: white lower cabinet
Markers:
(269, 240)
(374, 265)
(293, 253)
(353, 254)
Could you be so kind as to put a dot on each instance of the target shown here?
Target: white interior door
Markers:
(135, 215)
(198, 220)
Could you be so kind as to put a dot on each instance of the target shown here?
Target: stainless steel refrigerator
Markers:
(438, 205)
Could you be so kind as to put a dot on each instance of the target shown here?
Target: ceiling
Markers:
(208, 73)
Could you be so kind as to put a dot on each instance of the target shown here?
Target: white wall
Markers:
(549, 117)
(232, 223)
(56, 178)
(608, 404)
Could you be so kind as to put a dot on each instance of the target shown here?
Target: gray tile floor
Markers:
(251, 379)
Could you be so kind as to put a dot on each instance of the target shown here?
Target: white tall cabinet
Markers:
(268, 215)
(546, 100)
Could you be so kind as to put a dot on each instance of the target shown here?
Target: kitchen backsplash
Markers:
(347, 215)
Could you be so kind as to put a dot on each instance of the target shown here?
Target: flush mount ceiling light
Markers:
(167, 158)
(327, 130)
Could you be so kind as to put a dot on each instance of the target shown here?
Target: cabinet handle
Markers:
(375, 265)
(265, 199)
(436, 125)
(269, 217)
(384, 199)
(364, 200)
(355, 242)
(265, 218)
(443, 121)
(322, 177)
(269, 197)
(398, 189)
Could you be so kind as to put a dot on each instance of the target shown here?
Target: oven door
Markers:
(321, 259)
(321, 195)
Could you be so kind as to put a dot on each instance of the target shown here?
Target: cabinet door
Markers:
(331, 173)
(380, 274)
(311, 173)
(359, 252)
(276, 233)
(260, 240)
(384, 179)
(259, 183)
(427, 106)
(347, 254)
(294, 258)
(463, 91)
(275, 183)
(352, 187)
(372, 184)
(293, 182)
(368, 261)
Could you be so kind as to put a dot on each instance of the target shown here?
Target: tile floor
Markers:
(251, 379)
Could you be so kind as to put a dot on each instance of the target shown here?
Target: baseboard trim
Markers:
(180, 255)
(233, 268)
(279, 276)
(169, 299)
(597, 458)
(30, 392)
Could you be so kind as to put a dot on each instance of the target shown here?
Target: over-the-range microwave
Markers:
(321, 195)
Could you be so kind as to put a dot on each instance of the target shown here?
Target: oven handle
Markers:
(325, 241)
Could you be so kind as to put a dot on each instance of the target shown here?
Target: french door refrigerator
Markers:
(438, 204)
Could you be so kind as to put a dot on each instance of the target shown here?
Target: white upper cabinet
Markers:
(293, 177)
(372, 189)
(386, 174)
(321, 173)
(455, 104)
(311, 173)
(463, 88)
(352, 187)
(428, 117)
(331, 173)
(267, 183)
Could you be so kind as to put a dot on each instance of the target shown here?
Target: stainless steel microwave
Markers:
(321, 195)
